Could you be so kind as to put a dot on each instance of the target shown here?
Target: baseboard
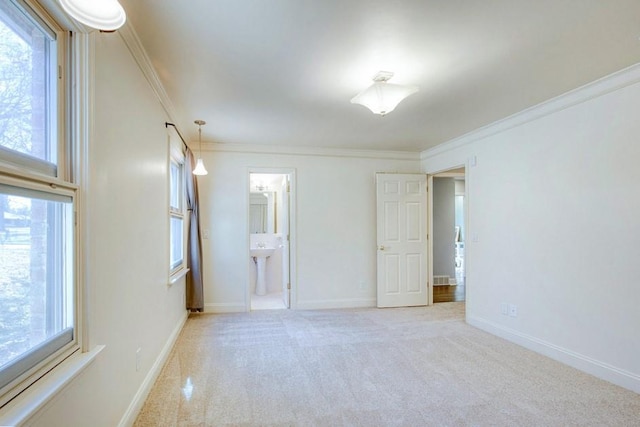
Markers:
(336, 303)
(141, 395)
(224, 308)
(581, 362)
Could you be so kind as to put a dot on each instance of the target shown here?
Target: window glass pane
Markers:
(175, 185)
(36, 284)
(26, 83)
(176, 252)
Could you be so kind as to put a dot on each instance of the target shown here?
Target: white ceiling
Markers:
(282, 72)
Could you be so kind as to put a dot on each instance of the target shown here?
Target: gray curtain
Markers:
(195, 297)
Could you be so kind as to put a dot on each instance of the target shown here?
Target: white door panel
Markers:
(402, 244)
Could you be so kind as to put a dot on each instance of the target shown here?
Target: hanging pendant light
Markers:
(107, 15)
(383, 97)
(200, 169)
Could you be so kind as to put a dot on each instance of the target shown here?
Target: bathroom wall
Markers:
(274, 264)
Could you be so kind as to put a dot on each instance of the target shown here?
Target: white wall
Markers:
(335, 227)
(554, 206)
(444, 215)
(130, 304)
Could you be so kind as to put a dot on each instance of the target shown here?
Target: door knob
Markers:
(381, 248)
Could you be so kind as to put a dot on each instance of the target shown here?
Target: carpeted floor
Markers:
(370, 367)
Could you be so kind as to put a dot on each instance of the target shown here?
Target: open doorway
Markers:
(448, 218)
(269, 240)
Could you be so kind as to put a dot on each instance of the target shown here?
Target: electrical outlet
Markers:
(205, 233)
(138, 359)
(504, 308)
(513, 310)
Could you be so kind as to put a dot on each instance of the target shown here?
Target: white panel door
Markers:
(402, 239)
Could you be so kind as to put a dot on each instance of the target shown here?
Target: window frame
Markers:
(52, 178)
(46, 363)
(177, 158)
(56, 126)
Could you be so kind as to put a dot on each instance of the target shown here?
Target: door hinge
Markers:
(60, 72)
(288, 285)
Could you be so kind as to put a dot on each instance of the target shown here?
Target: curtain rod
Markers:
(167, 124)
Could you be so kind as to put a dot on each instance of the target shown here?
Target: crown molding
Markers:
(618, 80)
(310, 151)
(130, 37)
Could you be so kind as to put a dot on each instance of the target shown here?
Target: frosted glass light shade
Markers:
(199, 169)
(382, 97)
(105, 15)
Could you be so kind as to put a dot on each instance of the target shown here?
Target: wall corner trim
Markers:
(336, 303)
(133, 43)
(311, 151)
(618, 80)
(581, 362)
(136, 404)
(224, 308)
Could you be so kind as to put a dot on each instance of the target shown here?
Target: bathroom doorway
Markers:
(270, 238)
(448, 219)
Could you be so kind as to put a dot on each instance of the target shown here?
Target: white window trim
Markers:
(36, 397)
(78, 107)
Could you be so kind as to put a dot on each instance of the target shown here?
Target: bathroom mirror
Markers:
(262, 209)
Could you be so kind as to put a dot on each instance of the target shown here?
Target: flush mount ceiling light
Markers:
(200, 169)
(107, 15)
(382, 97)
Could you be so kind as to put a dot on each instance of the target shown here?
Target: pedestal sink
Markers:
(260, 256)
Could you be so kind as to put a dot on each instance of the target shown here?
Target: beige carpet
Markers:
(370, 367)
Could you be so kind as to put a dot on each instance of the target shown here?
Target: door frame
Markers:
(452, 173)
(292, 231)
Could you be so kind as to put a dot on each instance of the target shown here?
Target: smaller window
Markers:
(176, 215)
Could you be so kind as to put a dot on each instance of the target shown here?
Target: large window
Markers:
(176, 215)
(38, 316)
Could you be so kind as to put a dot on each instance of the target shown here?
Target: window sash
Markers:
(175, 203)
(43, 176)
(45, 113)
(49, 274)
